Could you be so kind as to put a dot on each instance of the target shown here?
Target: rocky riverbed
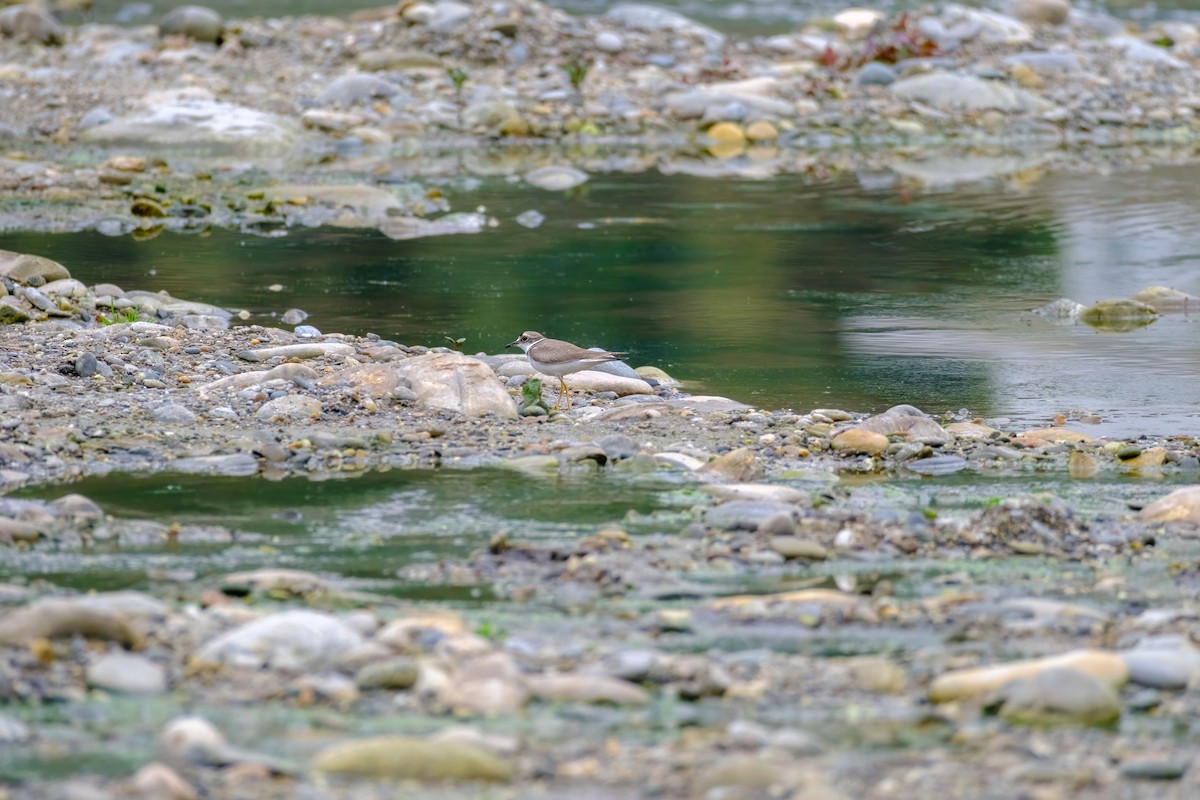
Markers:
(262, 123)
(784, 625)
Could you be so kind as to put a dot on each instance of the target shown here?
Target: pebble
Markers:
(407, 758)
(173, 414)
(196, 22)
(609, 42)
(874, 73)
(127, 673)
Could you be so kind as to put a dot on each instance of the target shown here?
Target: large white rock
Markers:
(192, 117)
(966, 93)
(457, 383)
(291, 640)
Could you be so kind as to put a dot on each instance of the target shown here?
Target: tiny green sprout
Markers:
(992, 501)
(576, 72)
(531, 393)
(458, 76)
(490, 631)
(457, 344)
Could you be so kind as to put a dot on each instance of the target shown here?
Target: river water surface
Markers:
(858, 291)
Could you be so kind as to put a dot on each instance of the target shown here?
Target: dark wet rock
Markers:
(584, 452)
(1058, 694)
(127, 673)
(407, 758)
(195, 22)
(1164, 662)
(291, 640)
(1155, 769)
(745, 514)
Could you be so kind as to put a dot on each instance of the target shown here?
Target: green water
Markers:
(857, 291)
(361, 529)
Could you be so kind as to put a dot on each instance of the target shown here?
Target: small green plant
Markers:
(456, 344)
(490, 631)
(576, 72)
(128, 315)
(458, 76)
(531, 394)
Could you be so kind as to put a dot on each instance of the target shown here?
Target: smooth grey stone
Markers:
(86, 365)
(449, 14)
(97, 116)
(646, 17)
(358, 87)
(630, 665)
(937, 465)
(876, 74)
(13, 731)
(1044, 62)
(236, 464)
(609, 42)
(174, 414)
(1163, 662)
(744, 514)
(293, 640)
(197, 22)
(127, 673)
(618, 446)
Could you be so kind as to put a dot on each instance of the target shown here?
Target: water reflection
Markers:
(859, 291)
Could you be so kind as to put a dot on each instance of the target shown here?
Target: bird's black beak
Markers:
(513, 343)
